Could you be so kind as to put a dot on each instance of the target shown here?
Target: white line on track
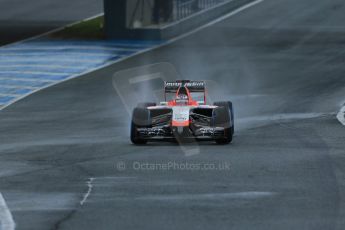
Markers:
(89, 190)
(233, 13)
(249, 195)
(6, 219)
(341, 115)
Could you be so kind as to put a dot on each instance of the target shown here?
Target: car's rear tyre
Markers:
(140, 119)
(224, 117)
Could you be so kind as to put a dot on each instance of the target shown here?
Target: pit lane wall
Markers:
(130, 19)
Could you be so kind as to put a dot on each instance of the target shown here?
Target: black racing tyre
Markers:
(231, 108)
(140, 119)
(223, 117)
(146, 104)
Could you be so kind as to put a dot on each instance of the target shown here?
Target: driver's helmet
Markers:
(182, 99)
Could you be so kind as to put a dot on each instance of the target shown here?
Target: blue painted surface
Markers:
(47, 68)
(46, 62)
(31, 65)
(22, 83)
(16, 91)
(25, 76)
(6, 99)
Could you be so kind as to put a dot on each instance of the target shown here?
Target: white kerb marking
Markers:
(6, 219)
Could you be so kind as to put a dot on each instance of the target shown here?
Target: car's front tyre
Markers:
(140, 119)
(223, 117)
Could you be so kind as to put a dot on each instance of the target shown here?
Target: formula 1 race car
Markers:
(183, 117)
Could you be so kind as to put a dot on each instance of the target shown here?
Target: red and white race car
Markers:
(183, 117)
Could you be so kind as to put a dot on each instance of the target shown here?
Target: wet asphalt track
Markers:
(20, 19)
(282, 64)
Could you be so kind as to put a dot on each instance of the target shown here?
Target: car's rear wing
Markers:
(192, 86)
